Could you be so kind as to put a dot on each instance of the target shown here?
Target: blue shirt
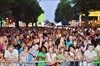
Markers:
(30, 57)
(19, 51)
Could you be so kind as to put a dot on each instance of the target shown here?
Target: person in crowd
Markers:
(74, 55)
(68, 42)
(62, 42)
(2, 59)
(51, 57)
(42, 56)
(75, 38)
(40, 36)
(50, 43)
(15, 42)
(36, 39)
(24, 55)
(27, 39)
(97, 50)
(21, 47)
(33, 53)
(66, 57)
(5, 39)
(90, 55)
(11, 55)
(83, 46)
(46, 44)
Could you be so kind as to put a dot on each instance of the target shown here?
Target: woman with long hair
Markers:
(51, 57)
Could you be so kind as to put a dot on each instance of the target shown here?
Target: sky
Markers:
(49, 7)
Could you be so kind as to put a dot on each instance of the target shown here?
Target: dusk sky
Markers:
(49, 7)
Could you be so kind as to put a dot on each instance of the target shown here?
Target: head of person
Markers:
(50, 43)
(90, 47)
(1, 54)
(28, 36)
(68, 39)
(36, 46)
(46, 38)
(21, 36)
(29, 31)
(17, 37)
(57, 51)
(66, 53)
(25, 49)
(45, 44)
(10, 48)
(22, 44)
(61, 50)
(43, 49)
(71, 48)
(51, 50)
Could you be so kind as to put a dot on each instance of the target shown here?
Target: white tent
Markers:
(20, 24)
(58, 24)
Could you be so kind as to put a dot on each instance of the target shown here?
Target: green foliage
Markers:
(84, 6)
(24, 10)
(41, 18)
(63, 12)
(31, 11)
(5, 6)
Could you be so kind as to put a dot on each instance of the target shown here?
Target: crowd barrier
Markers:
(67, 63)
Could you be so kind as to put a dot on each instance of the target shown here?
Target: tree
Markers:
(26, 11)
(16, 11)
(63, 12)
(84, 6)
(4, 8)
(41, 18)
(31, 12)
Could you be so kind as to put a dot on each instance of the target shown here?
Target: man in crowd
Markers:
(11, 55)
(90, 55)
(33, 52)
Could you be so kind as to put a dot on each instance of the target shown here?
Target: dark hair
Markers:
(72, 47)
(16, 36)
(2, 51)
(90, 45)
(68, 39)
(10, 45)
(40, 50)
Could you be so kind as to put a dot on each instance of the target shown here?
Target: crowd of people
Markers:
(47, 46)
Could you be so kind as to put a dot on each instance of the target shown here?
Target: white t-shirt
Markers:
(98, 47)
(89, 55)
(71, 54)
(11, 55)
(52, 58)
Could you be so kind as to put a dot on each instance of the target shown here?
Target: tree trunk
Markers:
(32, 21)
(1, 23)
(86, 25)
(36, 24)
(26, 25)
(17, 24)
(32, 24)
